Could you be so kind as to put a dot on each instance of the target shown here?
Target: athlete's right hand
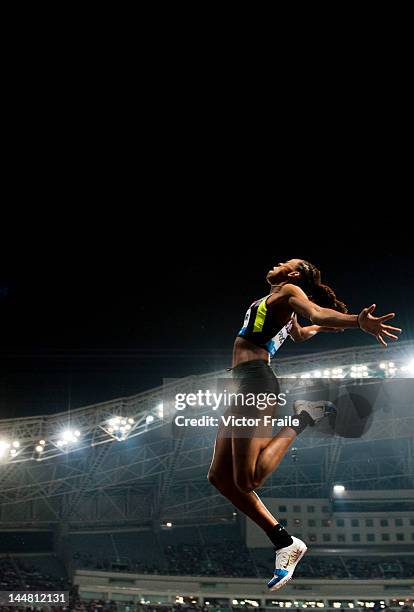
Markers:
(376, 325)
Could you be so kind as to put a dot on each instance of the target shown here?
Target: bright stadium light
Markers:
(39, 448)
(339, 489)
(119, 425)
(409, 367)
(149, 419)
(68, 437)
(160, 410)
(4, 446)
(16, 444)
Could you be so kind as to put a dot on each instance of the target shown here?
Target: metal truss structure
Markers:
(144, 475)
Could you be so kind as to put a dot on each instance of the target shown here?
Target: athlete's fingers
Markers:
(381, 340)
(386, 317)
(389, 335)
(371, 308)
(397, 329)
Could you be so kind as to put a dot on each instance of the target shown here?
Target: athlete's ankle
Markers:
(279, 536)
(304, 419)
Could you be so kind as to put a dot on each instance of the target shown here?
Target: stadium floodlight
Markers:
(16, 444)
(4, 446)
(168, 524)
(39, 448)
(160, 410)
(42, 442)
(339, 489)
(408, 367)
(119, 425)
(149, 419)
(68, 437)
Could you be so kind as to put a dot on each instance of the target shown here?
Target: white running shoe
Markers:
(316, 410)
(286, 561)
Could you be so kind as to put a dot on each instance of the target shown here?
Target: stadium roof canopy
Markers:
(118, 462)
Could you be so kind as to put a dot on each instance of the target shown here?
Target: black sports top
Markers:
(261, 328)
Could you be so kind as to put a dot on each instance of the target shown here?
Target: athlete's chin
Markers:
(270, 276)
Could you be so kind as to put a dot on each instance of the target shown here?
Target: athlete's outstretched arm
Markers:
(298, 333)
(326, 317)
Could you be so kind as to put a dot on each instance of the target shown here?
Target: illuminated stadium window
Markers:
(326, 537)
(311, 523)
(326, 523)
(356, 537)
(340, 537)
(385, 537)
(369, 522)
(296, 509)
(340, 522)
(282, 509)
(370, 537)
(398, 522)
(297, 521)
(384, 523)
(355, 523)
(325, 509)
(400, 537)
(311, 508)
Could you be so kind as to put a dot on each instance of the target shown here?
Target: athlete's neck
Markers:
(278, 286)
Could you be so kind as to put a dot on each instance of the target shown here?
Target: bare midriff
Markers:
(243, 350)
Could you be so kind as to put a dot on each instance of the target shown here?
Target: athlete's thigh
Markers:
(246, 450)
(222, 462)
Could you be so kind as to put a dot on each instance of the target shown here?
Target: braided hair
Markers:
(321, 294)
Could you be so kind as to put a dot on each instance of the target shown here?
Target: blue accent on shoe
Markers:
(330, 408)
(279, 574)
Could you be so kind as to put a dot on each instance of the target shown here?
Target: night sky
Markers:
(78, 332)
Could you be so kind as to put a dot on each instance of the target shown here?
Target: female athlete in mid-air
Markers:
(241, 464)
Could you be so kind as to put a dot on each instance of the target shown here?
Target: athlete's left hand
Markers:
(376, 325)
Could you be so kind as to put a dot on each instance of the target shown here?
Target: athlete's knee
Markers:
(214, 479)
(221, 483)
(246, 484)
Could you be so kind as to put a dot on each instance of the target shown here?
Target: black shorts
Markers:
(254, 378)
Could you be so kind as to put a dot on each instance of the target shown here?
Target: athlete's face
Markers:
(284, 271)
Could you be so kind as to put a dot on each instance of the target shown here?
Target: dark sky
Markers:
(77, 332)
